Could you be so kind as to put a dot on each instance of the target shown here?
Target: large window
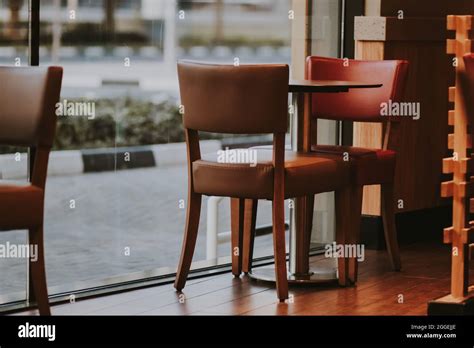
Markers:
(117, 186)
(117, 189)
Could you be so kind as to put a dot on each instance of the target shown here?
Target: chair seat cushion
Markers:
(21, 206)
(368, 166)
(304, 174)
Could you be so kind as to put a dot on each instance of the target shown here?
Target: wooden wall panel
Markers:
(423, 142)
(425, 8)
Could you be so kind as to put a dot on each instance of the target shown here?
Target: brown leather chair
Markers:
(28, 97)
(368, 166)
(249, 99)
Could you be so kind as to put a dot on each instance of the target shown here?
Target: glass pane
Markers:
(13, 266)
(116, 195)
(326, 42)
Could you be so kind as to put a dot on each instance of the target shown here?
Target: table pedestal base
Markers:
(316, 276)
(448, 305)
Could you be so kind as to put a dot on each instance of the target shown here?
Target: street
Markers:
(122, 222)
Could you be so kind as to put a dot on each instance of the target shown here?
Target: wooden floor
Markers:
(425, 276)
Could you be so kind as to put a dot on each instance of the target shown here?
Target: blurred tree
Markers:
(184, 4)
(219, 20)
(12, 31)
(109, 18)
(56, 31)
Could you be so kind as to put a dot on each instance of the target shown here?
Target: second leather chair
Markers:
(369, 166)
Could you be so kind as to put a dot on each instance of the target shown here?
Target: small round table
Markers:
(303, 134)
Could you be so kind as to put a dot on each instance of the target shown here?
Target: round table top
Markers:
(327, 86)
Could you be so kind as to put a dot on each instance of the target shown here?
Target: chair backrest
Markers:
(362, 105)
(245, 99)
(28, 98)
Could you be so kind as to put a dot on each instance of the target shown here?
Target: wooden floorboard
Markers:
(379, 291)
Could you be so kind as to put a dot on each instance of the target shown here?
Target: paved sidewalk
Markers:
(136, 209)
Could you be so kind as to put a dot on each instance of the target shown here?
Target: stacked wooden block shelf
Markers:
(461, 167)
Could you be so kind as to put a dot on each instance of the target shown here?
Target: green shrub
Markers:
(119, 122)
(188, 41)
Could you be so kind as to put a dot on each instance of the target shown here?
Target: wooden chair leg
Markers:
(343, 226)
(354, 238)
(279, 246)
(190, 236)
(38, 285)
(237, 230)
(390, 230)
(250, 221)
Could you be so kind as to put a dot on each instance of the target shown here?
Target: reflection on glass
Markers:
(326, 42)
